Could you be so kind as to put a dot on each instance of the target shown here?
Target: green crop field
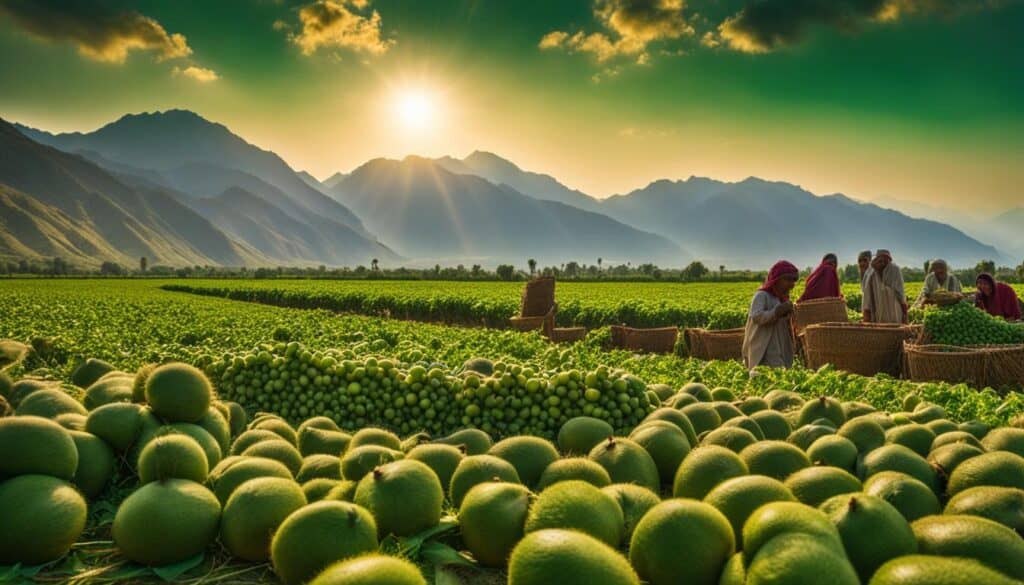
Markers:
(393, 384)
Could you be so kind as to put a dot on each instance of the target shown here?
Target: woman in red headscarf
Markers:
(767, 340)
(997, 298)
(823, 283)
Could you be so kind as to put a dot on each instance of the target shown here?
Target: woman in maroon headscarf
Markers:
(767, 340)
(997, 298)
(823, 283)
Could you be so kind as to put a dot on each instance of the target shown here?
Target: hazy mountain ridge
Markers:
(431, 213)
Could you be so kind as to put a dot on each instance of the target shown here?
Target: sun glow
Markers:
(416, 109)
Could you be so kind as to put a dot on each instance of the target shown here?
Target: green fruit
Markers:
(149, 428)
(668, 415)
(655, 550)
(753, 404)
(318, 422)
(806, 435)
(319, 466)
(278, 450)
(108, 390)
(119, 424)
(822, 407)
(1005, 439)
(213, 422)
(139, 383)
(703, 469)
(492, 520)
(925, 413)
(814, 485)
(479, 469)
(627, 462)
(442, 459)
(374, 436)
(578, 505)
(71, 421)
(897, 458)
(778, 518)
(26, 386)
(237, 418)
(254, 512)
(702, 416)
(997, 468)
(244, 470)
(178, 393)
(42, 517)
(634, 501)
(567, 557)
(666, 444)
(909, 496)
(697, 390)
(482, 366)
(359, 461)
(722, 393)
(776, 459)
(314, 441)
(574, 468)
(371, 569)
(579, 435)
(279, 427)
(89, 371)
(929, 570)
(250, 438)
(800, 559)
(746, 423)
(317, 489)
(663, 391)
(49, 403)
(975, 427)
(733, 438)
(726, 411)
(855, 409)
(172, 456)
(773, 424)
(835, 451)
(784, 400)
(96, 464)
(529, 455)
(872, 530)
(679, 400)
(315, 536)
(475, 441)
(34, 445)
(738, 497)
(1004, 505)
(345, 491)
(405, 497)
(947, 458)
(205, 440)
(955, 437)
(918, 438)
(971, 537)
(942, 426)
(166, 522)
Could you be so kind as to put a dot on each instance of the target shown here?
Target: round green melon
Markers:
(166, 522)
(178, 393)
(42, 517)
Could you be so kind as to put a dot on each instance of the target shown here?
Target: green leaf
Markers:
(172, 572)
(441, 555)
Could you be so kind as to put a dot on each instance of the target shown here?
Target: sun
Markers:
(416, 108)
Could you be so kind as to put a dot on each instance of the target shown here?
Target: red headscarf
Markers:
(779, 269)
(1002, 302)
(823, 283)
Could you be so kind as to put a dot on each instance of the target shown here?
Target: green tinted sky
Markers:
(913, 99)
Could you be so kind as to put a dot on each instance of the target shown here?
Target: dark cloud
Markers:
(98, 30)
(764, 25)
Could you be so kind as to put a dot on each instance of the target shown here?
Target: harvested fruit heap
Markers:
(408, 395)
(964, 324)
(710, 488)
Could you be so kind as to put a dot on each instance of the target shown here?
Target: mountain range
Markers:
(179, 189)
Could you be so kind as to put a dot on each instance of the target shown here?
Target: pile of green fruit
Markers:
(710, 488)
(964, 324)
(409, 395)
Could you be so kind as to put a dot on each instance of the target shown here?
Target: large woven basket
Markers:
(812, 312)
(715, 344)
(657, 340)
(861, 348)
(1004, 367)
(538, 297)
(544, 323)
(945, 363)
(566, 334)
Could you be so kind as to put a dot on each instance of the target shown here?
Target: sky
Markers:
(919, 100)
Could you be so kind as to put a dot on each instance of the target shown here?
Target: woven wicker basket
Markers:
(945, 363)
(538, 297)
(1005, 367)
(715, 344)
(695, 343)
(861, 348)
(566, 334)
(812, 312)
(657, 340)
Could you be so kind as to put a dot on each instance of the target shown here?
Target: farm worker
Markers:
(997, 298)
(863, 265)
(767, 340)
(938, 279)
(884, 298)
(823, 283)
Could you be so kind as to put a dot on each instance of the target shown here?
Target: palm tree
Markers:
(533, 265)
(374, 265)
(599, 265)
